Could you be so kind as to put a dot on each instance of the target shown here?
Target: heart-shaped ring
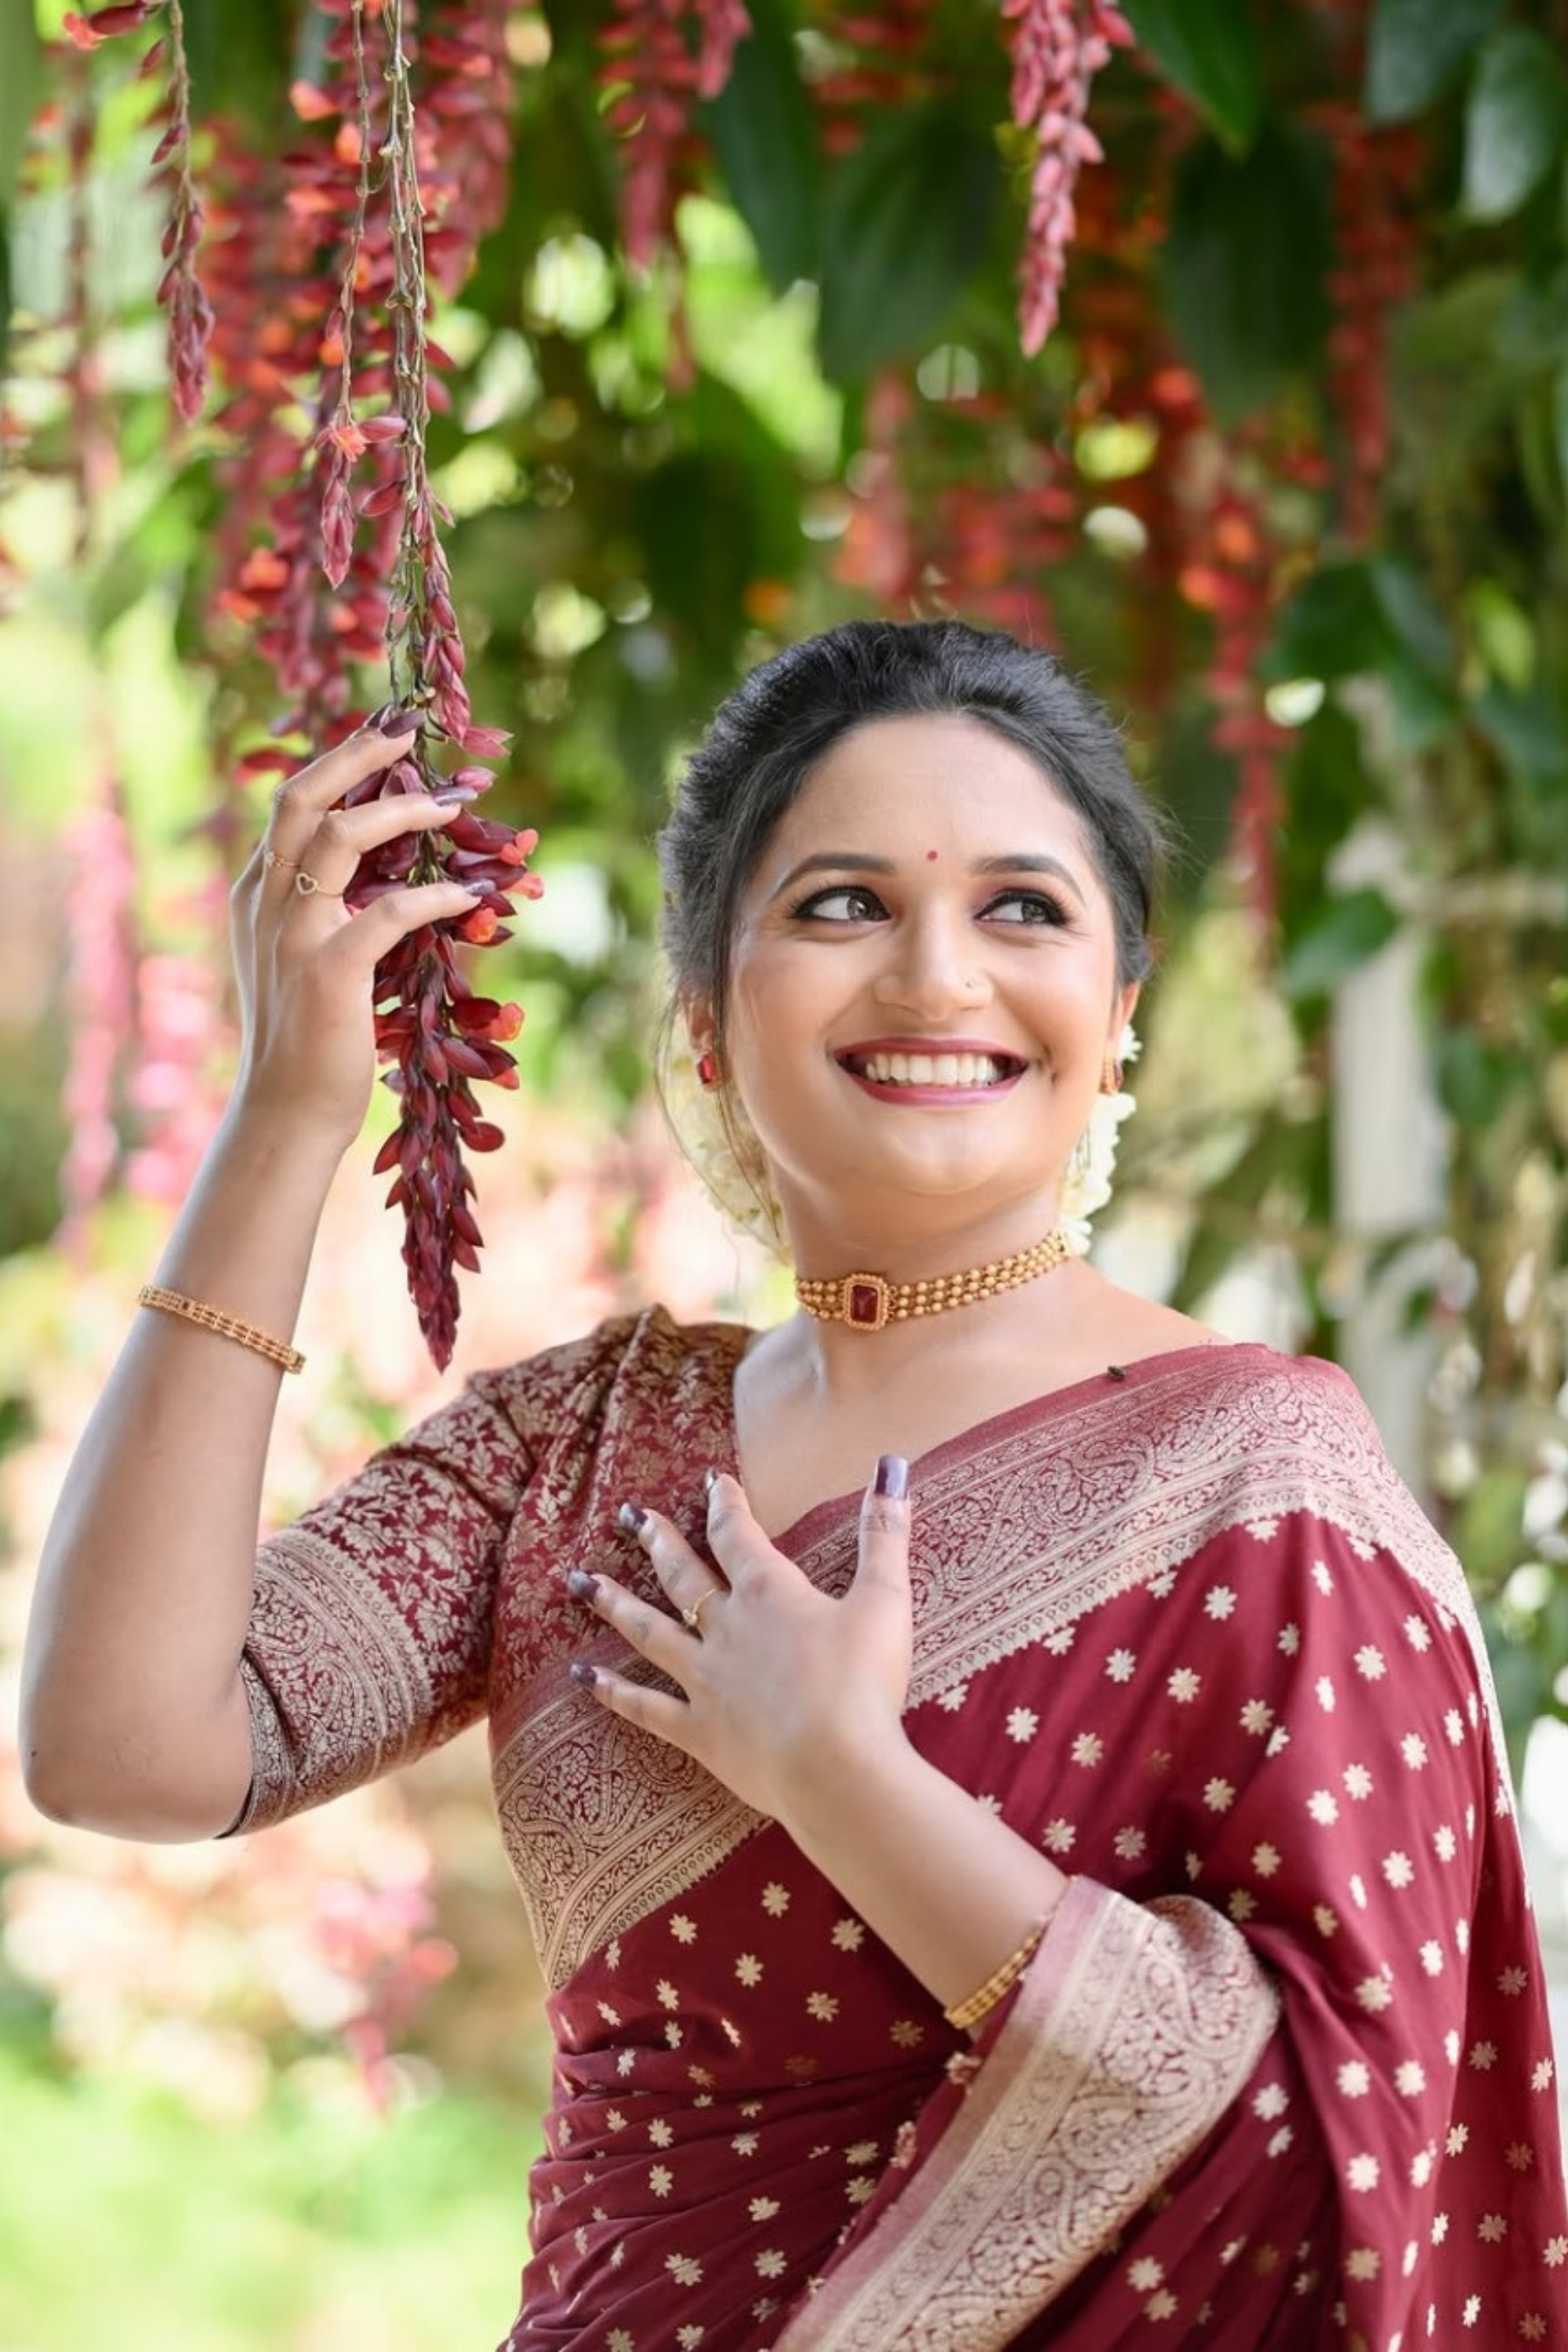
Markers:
(308, 887)
(692, 1618)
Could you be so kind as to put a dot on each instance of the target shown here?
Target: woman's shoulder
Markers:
(1266, 1412)
(647, 1351)
(1272, 1437)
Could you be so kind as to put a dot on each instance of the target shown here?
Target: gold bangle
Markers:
(981, 2004)
(227, 1327)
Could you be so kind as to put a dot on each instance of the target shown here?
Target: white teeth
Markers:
(933, 1069)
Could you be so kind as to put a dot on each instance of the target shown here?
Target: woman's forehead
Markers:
(917, 782)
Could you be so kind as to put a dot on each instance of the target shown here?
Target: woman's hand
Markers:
(784, 1686)
(305, 963)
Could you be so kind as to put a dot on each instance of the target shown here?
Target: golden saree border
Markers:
(1129, 2037)
(596, 1840)
(334, 1635)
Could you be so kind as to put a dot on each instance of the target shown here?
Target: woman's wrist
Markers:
(244, 1241)
(936, 1874)
(284, 1133)
(860, 1766)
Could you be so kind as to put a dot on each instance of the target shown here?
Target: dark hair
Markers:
(768, 736)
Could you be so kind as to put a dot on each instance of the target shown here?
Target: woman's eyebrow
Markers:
(1033, 863)
(834, 861)
(851, 861)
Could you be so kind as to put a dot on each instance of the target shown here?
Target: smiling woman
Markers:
(793, 1763)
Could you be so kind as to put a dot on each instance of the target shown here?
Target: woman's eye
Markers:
(847, 904)
(1025, 906)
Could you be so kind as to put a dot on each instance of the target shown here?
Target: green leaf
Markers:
(907, 221)
(1473, 1079)
(21, 88)
(1328, 789)
(765, 136)
(1560, 426)
(1245, 266)
(1416, 47)
(1515, 123)
(1532, 330)
(1420, 627)
(1334, 628)
(1205, 48)
(1422, 708)
(240, 61)
(1351, 930)
(1526, 731)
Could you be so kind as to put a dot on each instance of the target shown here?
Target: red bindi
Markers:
(931, 857)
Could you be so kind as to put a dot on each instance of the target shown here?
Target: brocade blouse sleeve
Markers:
(370, 1633)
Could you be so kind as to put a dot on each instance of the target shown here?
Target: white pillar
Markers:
(1387, 1153)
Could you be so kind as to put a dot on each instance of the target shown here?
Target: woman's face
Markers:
(924, 986)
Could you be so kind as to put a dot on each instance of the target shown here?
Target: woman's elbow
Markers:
(83, 1787)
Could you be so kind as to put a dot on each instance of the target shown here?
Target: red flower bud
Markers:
(87, 32)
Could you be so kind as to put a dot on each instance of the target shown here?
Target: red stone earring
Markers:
(708, 1072)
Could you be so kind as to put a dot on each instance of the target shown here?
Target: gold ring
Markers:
(692, 1618)
(308, 886)
(270, 857)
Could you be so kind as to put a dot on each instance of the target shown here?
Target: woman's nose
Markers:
(931, 969)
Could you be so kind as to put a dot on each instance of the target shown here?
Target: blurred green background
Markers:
(1287, 481)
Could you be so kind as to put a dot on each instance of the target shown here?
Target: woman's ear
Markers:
(1126, 1004)
(701, 1029)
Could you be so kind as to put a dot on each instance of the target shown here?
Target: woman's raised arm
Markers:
(133, 1719)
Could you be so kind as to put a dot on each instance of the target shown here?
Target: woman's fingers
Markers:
(738, 1543)
(329, 857)
(879, 1604)
(300, 802)
(653, 1633)
(303, 798)
(883, 1570)
(689, 1585)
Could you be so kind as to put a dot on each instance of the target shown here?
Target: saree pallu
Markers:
(1279, 2074)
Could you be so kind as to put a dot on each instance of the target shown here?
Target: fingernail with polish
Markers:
(383, 710)
(580, 1585)
(709, 1480)
(892, 1480)
(400, 721)
(582, 1672)
(633, 1517)
(455, 795)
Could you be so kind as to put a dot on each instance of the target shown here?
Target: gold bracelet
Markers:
(980, 2004)
(227, 1327)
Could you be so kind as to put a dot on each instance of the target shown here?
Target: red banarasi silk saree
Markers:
(1279, 2075)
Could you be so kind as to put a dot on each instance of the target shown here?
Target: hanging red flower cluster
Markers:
(1058, 46)
(355, 224)
(1377, 174)
(657, 58)
(960, 507)
(878, 65)
(1239, 572)
(180, 291)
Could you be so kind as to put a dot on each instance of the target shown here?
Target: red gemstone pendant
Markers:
(864, 1301)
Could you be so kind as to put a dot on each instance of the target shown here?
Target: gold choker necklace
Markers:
(868, 1301)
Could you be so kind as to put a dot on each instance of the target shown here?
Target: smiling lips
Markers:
(934, 1066)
